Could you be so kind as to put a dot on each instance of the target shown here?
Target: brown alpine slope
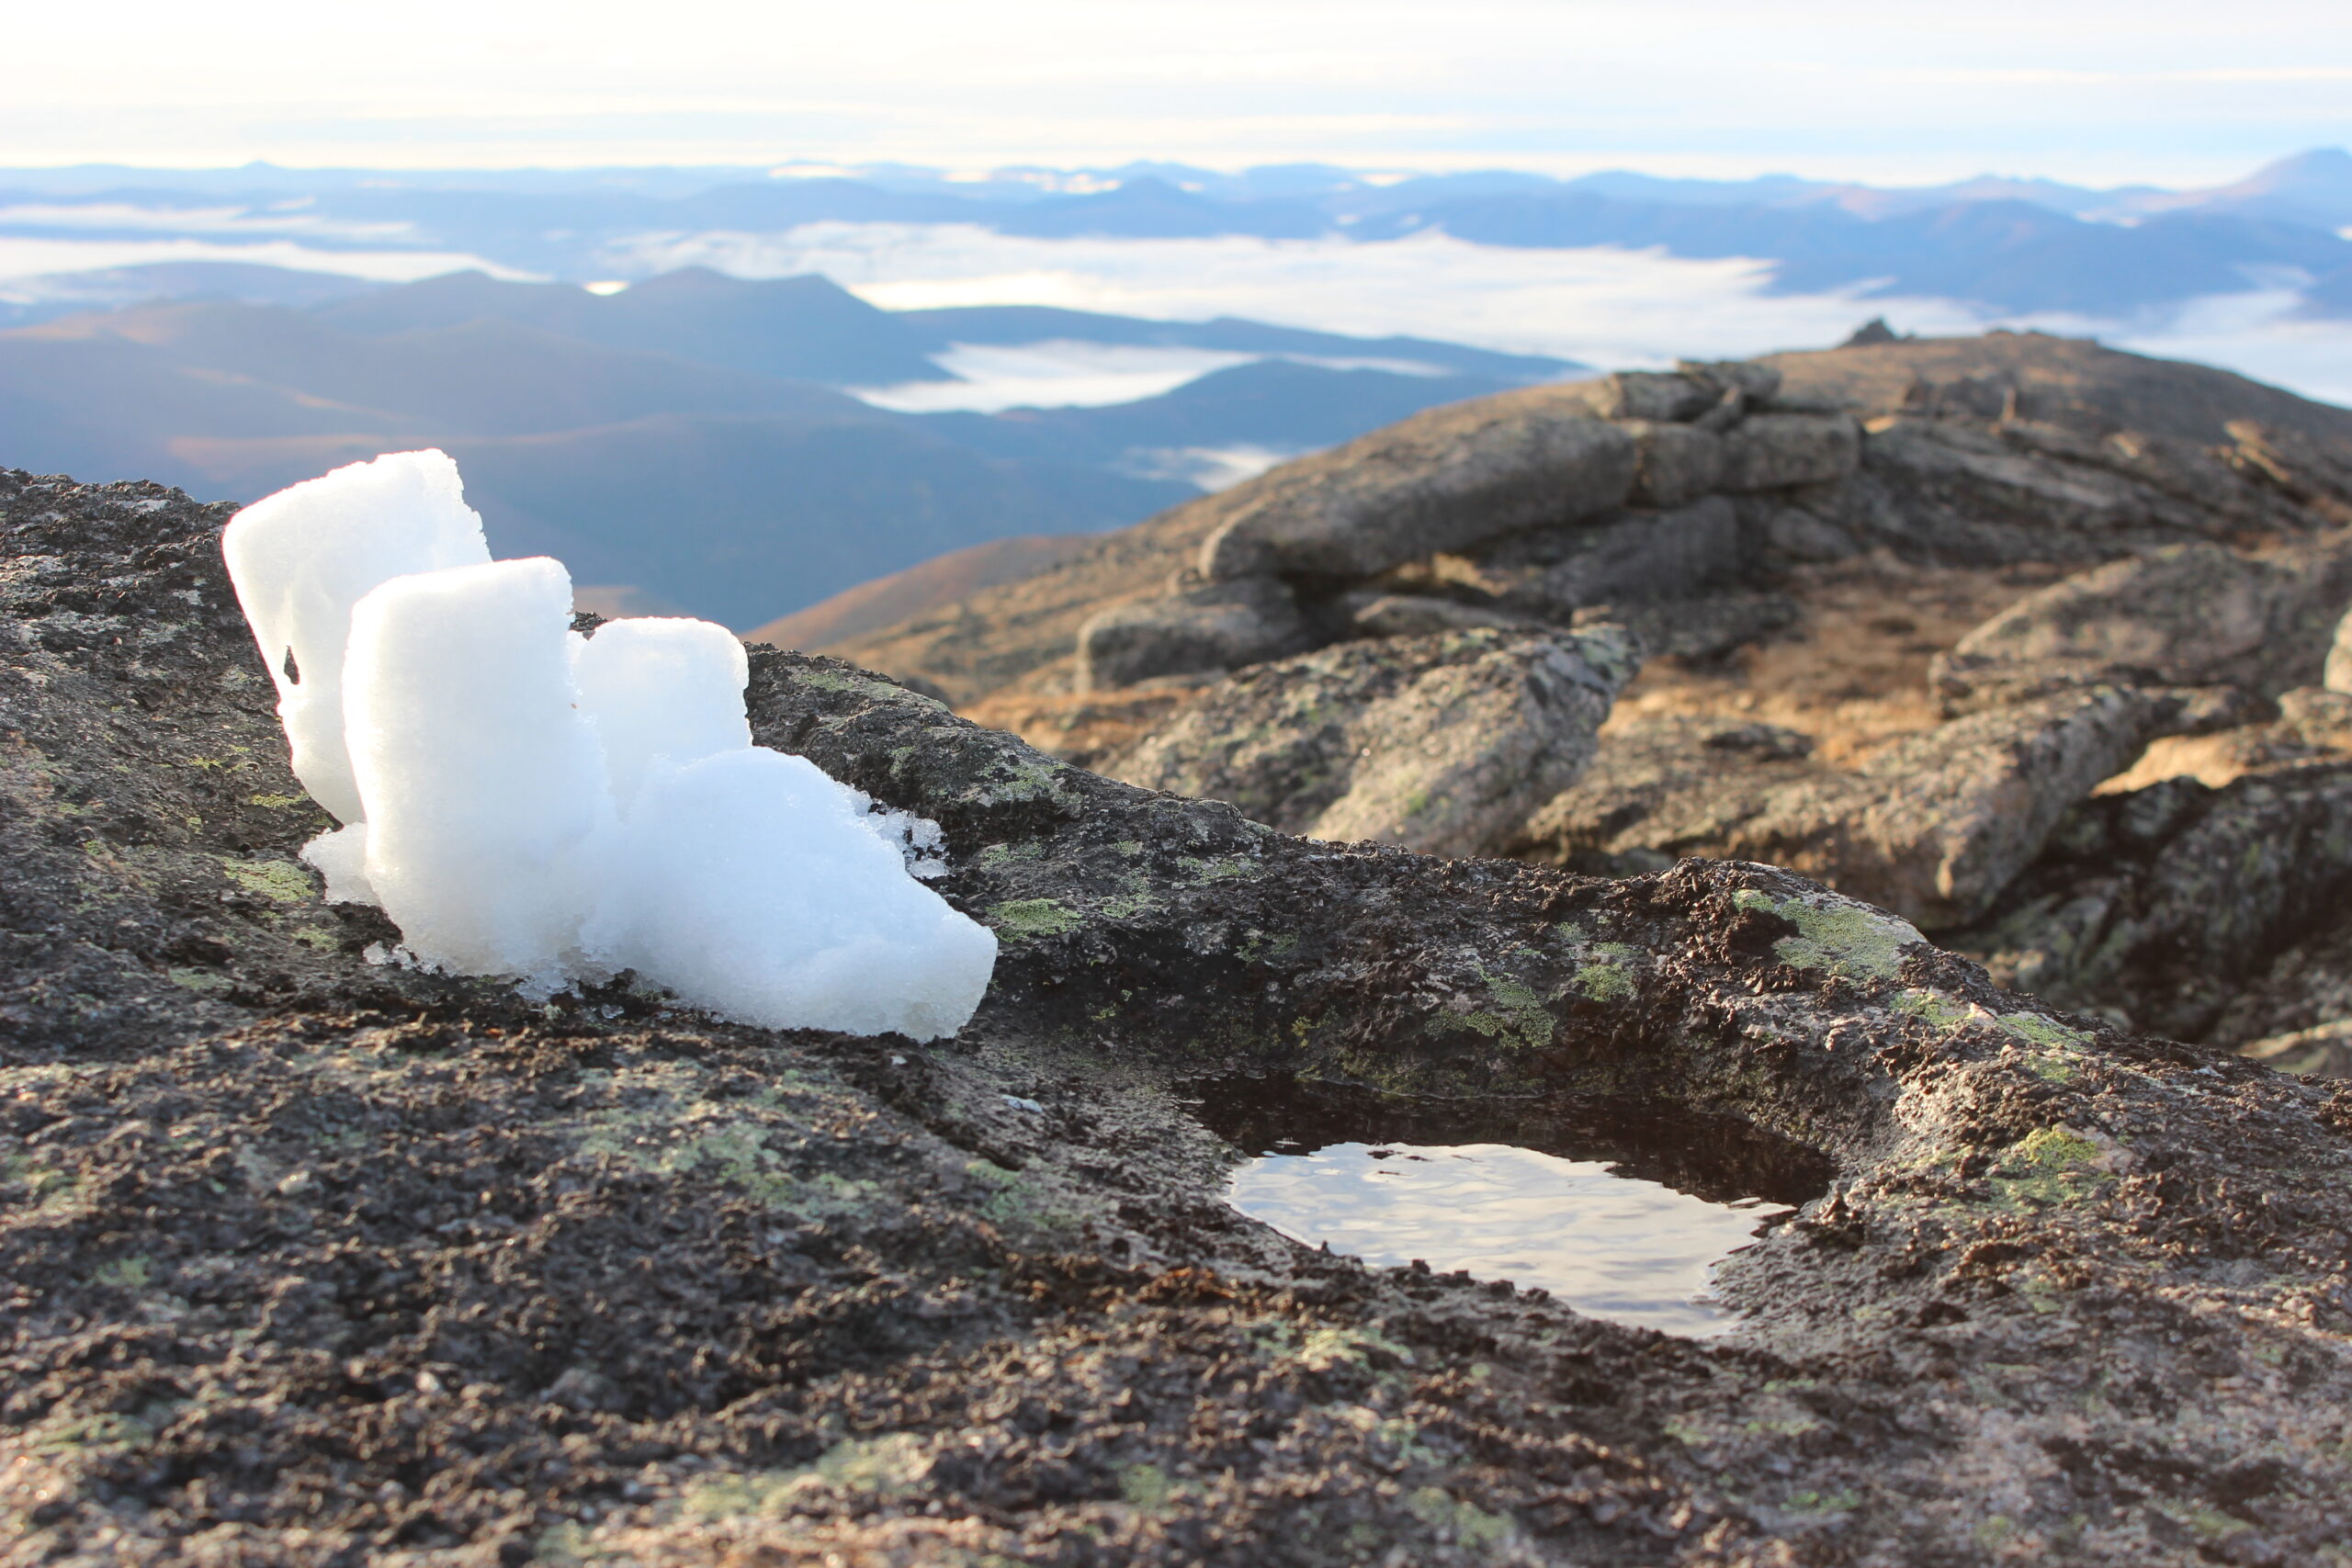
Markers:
(312, 1260)
(941, 580)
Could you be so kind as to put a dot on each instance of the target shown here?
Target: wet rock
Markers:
(1676, 464)
(2192, 615)
(1442, 743)
(1775, 451)
(1441, 481)
(1215, 626)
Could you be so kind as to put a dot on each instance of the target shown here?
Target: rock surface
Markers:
(1213, 627)
(311, 1260)
(1442, 742)
(1438, 481)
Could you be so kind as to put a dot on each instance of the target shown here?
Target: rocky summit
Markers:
(2023, 639)
(313, 1258)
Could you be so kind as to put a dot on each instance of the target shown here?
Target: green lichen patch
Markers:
(1463, 1523)
(203, 982)
(277, 802)
(1519, 1018)
(1033, 920)
(281, 881)
(1607, 974)
(2047, 1167)
(1836, 935)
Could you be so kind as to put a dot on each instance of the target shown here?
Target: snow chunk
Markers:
(487, 809)
(662, 688)
(750, 884)
(302, 557)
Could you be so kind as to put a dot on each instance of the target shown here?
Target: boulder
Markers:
(1637, 558)
(1442, 743)
(1932, 827)
(2192, 615)
(1753, 379)
(1774, 451)
(1675, 464)
(1213, 628)
(2165, 902)
(1657, 395)
(1443, 480)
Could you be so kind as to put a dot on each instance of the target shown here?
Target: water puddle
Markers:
(1620, 1211)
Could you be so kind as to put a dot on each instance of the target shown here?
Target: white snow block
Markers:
(302, 557)
(749, 883)
(661, 687)
(487, 809)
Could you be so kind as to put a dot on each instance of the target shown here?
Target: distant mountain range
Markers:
(2006, 245)
(693, 437)
(686, 437)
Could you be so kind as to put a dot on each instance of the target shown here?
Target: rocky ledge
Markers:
(313, 1259)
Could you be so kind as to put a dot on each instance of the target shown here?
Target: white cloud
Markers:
(1605, 306)
(1051, 375)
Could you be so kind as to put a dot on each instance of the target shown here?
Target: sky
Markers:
(1888, 91)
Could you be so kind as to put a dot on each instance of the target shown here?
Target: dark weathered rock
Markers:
(1441, 743)
(1655, 395)
(310, 1260)
(1933, 827)
(1753, 380)
(1215, 627)
(2186, 615)
(1631, 557)
(1676, 464)
(1416, 614)
(1704, 627)
(1775, 451)
(1438, 481)
(2162, 901)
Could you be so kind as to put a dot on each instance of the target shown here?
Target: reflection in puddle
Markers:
(1621, 1210)
(1615, 1247)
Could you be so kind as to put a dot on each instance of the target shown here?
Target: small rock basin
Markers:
(1620, 1211)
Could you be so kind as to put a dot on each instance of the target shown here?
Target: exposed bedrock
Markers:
(1209, 627)
(317, 1260)
(2164, 902)
(2186, 615)
(1440, 742)
(1933, 825)
(1775, 451)
(1447, 479)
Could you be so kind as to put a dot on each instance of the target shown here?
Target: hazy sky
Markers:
(2159, 90)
